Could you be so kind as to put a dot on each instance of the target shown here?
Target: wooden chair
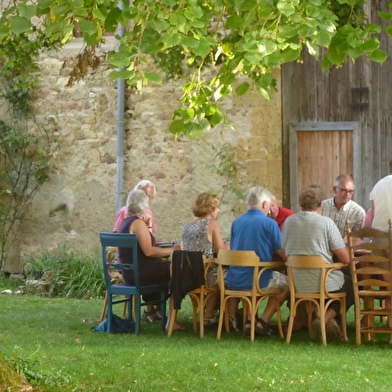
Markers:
(120, 240)
(116, 277)
(321, 299)
(251, 299)
(199, 298)
(370, 290)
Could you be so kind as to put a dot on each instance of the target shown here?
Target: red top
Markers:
(284, 213)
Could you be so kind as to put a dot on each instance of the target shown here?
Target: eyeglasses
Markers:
(348, 191)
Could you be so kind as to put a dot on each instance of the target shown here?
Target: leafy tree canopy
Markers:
(217, 47)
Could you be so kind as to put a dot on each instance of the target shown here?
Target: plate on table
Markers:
(165, 244)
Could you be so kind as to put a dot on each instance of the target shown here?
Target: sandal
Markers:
(247, 328)
(151, 317)
(264, 330)
(210, 321)
(233, 323)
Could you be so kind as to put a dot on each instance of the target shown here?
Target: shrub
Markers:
(68, 272)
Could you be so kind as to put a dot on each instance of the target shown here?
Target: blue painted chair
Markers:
(131, 294)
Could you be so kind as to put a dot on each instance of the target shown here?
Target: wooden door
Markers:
(319, 152)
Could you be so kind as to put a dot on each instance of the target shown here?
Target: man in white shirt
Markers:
(380, 214)
(341, 207)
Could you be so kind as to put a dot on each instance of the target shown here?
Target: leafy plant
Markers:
(69, 273)
(25, 145)
(225, 165)
(218, 47)
(35, 371)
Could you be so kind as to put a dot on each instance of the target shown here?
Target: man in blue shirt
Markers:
(255, 231)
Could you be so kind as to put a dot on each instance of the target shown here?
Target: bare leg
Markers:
(232, 306)
(271, 306)
(211, 305)
(176, 325)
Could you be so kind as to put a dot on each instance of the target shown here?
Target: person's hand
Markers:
(147, 219)
(178, 246)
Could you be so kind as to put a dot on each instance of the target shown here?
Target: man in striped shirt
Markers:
(341, 207)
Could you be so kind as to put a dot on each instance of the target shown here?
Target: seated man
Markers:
(279, 213)
(254, 231)
(308, 233)
(341, 207)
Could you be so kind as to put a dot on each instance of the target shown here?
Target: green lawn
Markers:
(57, 334)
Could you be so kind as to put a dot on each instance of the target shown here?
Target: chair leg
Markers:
(173, 316)
(344, 320)
(293, 312)
(322, 322)
(124, 313)
(105, 305)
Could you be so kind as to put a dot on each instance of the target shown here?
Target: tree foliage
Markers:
(217, 47)
(24, 144)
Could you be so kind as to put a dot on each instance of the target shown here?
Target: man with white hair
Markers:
(149, 189)
(255, 231)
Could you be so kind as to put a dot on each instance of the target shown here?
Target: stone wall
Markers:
(83, 175)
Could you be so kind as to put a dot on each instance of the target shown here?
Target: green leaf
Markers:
(336, 57)
(111, 21)
(27, 11)
(234, 22)
(389, 30)
(216, 118)
(242, 89)
(153, 77)
(171, 39)
(190, 42)
(88, 27)
(371, 45)
(126, 75)
(385, 15)
(286, 8)
(292, 54)
(288, 31)
(202, 50)
(4, 31)
(118, 59)
(98, 14)
(176, 127)
(378, 56)
(323, 38)
(20, 25)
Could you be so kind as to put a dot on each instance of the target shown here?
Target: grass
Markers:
(53, 336)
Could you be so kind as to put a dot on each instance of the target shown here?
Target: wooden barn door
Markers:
(319, 152)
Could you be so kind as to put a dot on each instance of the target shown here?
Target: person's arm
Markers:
(282, 254)
(343, 255)
(140, 228)
(214, 234)
(371, 212)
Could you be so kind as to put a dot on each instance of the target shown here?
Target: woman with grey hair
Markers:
(149, 189)
(152, 269)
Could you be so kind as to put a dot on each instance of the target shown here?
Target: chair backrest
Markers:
(119, 240)
(238, 258)
(187, 274)
(313, 262)
(375, 248)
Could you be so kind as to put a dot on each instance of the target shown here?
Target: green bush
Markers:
(71, 273)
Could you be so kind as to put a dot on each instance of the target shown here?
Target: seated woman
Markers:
(309, 233)
(152, 269)
(203, 234)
